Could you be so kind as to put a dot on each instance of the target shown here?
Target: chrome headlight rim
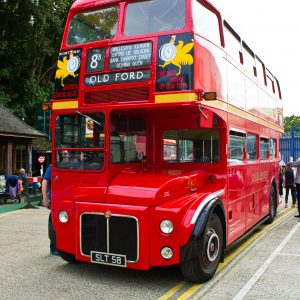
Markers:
(166, 226)
(167, 253)
(63, 216)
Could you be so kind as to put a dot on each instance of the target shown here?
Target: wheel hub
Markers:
(212, 246)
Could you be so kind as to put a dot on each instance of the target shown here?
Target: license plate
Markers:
(108, 259)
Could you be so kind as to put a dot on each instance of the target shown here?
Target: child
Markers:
(289, 184)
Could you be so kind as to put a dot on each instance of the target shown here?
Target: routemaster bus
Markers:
(165, 130)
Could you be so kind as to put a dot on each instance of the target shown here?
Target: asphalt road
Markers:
(265, 266)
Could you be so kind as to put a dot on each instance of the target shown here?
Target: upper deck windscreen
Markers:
(154, 16)
(93, 26)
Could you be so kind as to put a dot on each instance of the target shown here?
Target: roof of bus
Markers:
(81, 4)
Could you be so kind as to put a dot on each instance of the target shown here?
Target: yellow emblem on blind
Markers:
(176, 55)
(67, 67)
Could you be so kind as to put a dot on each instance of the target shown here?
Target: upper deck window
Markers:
(154, 16)
(206, 23)
(93, 26)
(232, 42)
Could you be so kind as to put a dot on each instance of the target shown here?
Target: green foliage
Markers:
(292, 122)
(30, 37)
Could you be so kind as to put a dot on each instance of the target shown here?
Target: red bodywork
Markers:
(158, 190)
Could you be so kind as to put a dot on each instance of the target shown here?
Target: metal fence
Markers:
(289, 146)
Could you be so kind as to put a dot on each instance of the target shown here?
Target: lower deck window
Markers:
(237, 144)
(200, 145)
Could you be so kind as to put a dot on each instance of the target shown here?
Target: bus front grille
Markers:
(117, 234)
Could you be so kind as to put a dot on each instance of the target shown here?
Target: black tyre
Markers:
(273, 205)
(203, 267)
(51, 231)
(70, 258)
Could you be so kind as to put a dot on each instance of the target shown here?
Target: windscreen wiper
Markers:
(89, 118)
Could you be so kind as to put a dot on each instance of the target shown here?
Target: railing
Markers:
(289, 146)
(33, 191)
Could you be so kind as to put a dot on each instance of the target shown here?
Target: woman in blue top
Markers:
(46, 191)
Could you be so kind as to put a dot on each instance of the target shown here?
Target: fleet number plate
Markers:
(108, 259)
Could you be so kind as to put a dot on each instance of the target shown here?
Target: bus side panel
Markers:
(210, 68)
(236, 202)
(265, 187)
(252, 206)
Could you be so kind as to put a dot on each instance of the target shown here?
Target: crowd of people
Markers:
(289, 179)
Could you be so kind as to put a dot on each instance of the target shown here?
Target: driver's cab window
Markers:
(79, 141)
(127, 139)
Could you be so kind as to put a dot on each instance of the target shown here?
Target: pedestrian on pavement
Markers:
(297, 181)
(288, 182)
(46, 191)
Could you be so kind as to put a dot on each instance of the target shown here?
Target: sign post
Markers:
(41, 160)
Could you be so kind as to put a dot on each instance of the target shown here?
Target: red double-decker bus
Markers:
(165, 136)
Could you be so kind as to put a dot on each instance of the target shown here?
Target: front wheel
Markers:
(70, 258)
(203, 267)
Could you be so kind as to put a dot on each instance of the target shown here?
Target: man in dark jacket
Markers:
(289, 184)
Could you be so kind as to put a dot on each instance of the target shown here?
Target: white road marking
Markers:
(289, 254)
(246, 288)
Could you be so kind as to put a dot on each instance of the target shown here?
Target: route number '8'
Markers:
(95, 59)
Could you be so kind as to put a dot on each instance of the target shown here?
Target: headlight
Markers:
(166, 252)
(166, 226)
(63, 216)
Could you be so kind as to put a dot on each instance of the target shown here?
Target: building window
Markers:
(19, 157)
(2, 159)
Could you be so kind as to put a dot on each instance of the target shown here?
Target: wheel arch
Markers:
(191, 249)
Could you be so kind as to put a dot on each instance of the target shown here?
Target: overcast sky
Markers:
(272, 30)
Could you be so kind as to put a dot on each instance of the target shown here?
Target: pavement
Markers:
(12, 205)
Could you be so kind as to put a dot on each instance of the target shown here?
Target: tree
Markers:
(292, 122)
(30, 37)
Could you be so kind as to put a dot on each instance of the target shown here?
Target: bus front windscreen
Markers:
(91, 26)
(154, 16)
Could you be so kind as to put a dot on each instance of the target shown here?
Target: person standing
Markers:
(46, 192)
(24, 178)
(281, 172)
(289, 184)
(297, 181)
